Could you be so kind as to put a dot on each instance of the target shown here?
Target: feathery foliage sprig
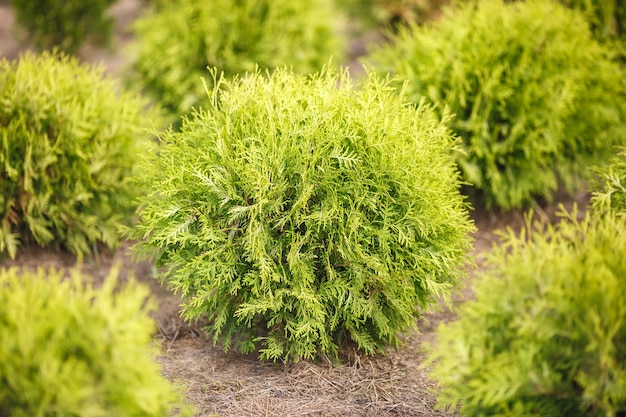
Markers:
(537, 100)
(545, 335)
(610, 189)
(71, 349)
(300, 212)
(183, 38)
(68, 139)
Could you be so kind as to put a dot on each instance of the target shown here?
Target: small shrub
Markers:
(66, 25)
(68, 140)
(545, 335)
(183, 38)
(69, 349)
(610, 189)
(297, 213)
(537, 100)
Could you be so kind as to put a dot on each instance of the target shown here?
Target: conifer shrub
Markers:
(296, 213)
(183, 38)
(545, 335)
(610, 189)
(537, 100)
(71, 349)
(68, 139)
(64, 25)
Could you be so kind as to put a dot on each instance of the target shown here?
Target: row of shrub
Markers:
(69, 138)
(299, 210)
(537, 99)
(68, 27)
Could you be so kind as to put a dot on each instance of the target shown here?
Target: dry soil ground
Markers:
(231, 384)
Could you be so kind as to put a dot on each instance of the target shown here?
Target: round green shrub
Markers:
(178, 42)
(610, 188)
(296, 213)
(70, 349)
(68, 140)
(65, 25)
(537, 100)
(546, 333)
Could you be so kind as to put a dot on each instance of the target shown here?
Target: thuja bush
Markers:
(537, 99)
(67, 25)
(297, 213)
(68, 139)
(545, 335)
(609, 190)
(178, 42)
(71, 349)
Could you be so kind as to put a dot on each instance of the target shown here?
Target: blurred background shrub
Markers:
(545, 334)
(69, 137)
(70, 349)
(66, 24)
(537, 99)
(181, 39)
(391, 13)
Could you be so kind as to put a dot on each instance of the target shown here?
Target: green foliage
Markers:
(68, 140)
(69, 349)
(537, 100)
(607, 17)
(297, 213)
(183, 38)
(546, 333)
(610, 189)
(65, 25)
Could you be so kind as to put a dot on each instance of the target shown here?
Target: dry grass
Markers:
(235, 385)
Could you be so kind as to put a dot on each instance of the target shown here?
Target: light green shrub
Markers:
(65, 25)
(183, 38)
(610, 188)
(70, 349)
(68, 140)
(297, 213)
(545, 335)
(537, 100)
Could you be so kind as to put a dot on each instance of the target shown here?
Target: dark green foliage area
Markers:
(69, 349)
(537, 99)
(68, 140)
(610, 189)
(65, 25)
(298, 213)
(546, 335)
(607, 17)
(178, 42)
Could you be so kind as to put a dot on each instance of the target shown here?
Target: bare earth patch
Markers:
(231, 384)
